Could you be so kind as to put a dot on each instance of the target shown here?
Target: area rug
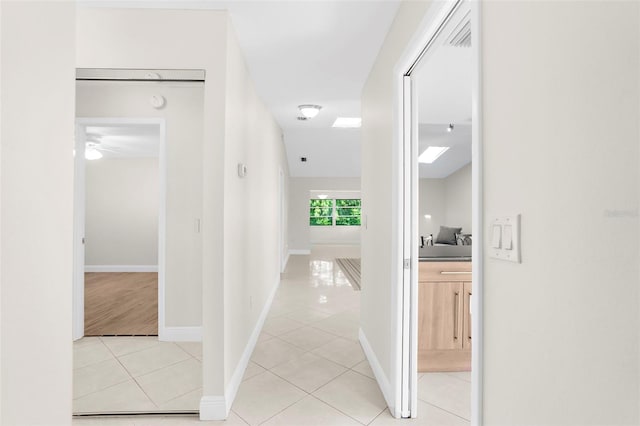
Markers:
(351, 269)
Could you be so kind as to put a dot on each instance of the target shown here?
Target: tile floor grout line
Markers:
(134, 379)
(456, 377)
(444, 409)
(99, 390)
(286, 408)
(126, 371)
(239, 416)
(158, 369)
(376, 417)
(338, 410)
(128, 353)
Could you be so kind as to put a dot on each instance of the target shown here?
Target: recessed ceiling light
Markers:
(432, 153)
(309, 111)
(348, 122)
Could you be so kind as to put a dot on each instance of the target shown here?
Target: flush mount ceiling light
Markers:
(90, 151)
(309, 111)
(432, 153)
(322, 196)
(450, 128)
(348, 122)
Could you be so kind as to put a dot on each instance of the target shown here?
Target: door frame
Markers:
(80, 208)
(406, 215)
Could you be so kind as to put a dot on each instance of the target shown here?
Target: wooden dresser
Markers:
(444, 316)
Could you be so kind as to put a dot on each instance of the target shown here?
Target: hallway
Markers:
(308, 367)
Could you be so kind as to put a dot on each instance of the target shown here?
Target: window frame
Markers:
(334, 212)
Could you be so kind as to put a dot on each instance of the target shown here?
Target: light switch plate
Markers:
(509, 229)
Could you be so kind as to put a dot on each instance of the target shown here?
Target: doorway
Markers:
(145, 132)
(452, 24)
(120, 193)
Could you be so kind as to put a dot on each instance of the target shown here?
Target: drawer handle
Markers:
(455, 316)
(454, 272)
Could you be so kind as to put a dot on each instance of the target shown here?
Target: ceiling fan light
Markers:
(309, 111)
(91, 153)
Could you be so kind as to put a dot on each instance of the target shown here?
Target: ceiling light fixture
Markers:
(322, 196)
(432, 153)
(450, 128)
(309, 111)
(91, 153)
(348, 122)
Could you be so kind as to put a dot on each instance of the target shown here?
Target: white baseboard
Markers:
(121, 268)
(238, 374)
(286, 261)
(213, 408)
(381, 377)
(218, 407)
(299, 251)
(180, 334)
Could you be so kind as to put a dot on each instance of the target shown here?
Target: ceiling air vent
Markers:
(461, 34)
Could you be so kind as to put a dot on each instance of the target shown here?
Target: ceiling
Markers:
(125, 140)
(305, 52)
(457, 156)
(321, 52)
(444, 87)
(314, 52)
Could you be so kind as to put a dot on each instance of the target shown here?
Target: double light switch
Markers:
(505, 238)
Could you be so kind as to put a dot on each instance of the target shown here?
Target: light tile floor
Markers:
(308, 367)
(136, 374)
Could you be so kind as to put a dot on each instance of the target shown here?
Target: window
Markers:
(321, 213)
(335, 212)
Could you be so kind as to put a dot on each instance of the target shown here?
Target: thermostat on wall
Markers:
(242, 170)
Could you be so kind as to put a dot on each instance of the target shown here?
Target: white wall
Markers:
(184, 122)
(561, 328)
(458, 199)
(301, 235)
(237, 129)
(431, 201)
(188, 39)
(447, 200)
(377, 200)
(36, 227)
(122, 206)
(252, 223)
(569, 312)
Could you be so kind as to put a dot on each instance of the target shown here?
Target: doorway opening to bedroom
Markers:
(441, 218)
(121, 226)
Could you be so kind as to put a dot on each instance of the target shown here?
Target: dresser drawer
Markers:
(445, 271)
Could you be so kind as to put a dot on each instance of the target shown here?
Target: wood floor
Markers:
(121, 304)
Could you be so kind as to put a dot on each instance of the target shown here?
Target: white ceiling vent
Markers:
(461, 34)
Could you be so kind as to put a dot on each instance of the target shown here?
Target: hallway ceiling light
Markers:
(309, 111)
(91, 153)
(348, 122)
(431, 154)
